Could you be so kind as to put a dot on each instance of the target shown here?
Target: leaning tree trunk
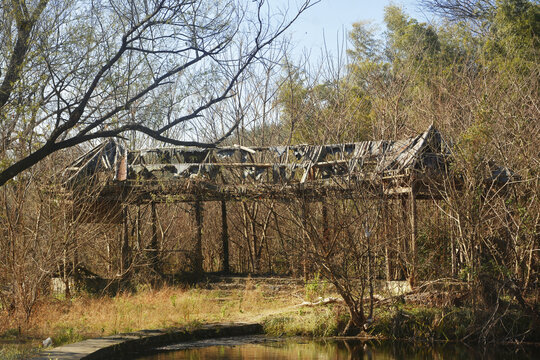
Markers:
(357, 318)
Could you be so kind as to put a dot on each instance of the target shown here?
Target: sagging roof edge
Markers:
(396, 155)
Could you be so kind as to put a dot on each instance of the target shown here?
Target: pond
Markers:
(256, 347)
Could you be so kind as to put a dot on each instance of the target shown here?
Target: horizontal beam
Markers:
(175, 192)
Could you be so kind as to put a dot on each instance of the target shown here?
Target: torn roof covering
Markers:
(427, 150)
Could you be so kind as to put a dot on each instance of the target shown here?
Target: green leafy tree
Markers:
(409, 40)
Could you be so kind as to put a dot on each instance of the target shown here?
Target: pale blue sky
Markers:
(330, 19)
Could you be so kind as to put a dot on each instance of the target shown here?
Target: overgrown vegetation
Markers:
(473, 73)
(408, 322)
(86, 316)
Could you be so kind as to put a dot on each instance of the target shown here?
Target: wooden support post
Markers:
(76, 274)
(453, 257)
(109, 258)
(153, 255)
(369, 269)
(125, 250)
(387, 263)
(326, 229)
(65, 275)
(198, 258)
(138, 229)
(404, 254)
(386, 219)
(453, 249)
(414, 231)
(405, 218)
(304, 239)
(75, 263)
(224, 239)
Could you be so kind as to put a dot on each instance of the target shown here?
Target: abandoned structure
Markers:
(230, 173)
(409, 169)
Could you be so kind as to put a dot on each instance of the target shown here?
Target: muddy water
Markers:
(263, 348)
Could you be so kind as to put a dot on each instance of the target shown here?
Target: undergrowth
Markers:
(412, 323)
(87, 316)
(307, 321)
(417, 323)
(68, 321)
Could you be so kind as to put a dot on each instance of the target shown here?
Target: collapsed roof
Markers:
(295, 164)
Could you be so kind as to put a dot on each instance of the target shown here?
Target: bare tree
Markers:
(75, 70)
(338, 242)
(43, 235)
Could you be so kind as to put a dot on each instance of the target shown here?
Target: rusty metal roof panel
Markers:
(261, 164)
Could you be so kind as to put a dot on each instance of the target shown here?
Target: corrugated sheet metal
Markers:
(275, 164)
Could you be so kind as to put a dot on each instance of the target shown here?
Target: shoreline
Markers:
(124, 346)
(121, 345)
(181, 310)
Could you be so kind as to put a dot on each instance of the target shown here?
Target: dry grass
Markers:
(85, 316)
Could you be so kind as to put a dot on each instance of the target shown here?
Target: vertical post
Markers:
(198, 260)
(109, 258)
(76, 273)
(138, 229)
(403, 225)
(453, 256)
(388, 267)
(414, 231)
(453, 251)
(224, 238)
(75, 262)
(326, 230)
(368, 234)
(125, 243)
(154, 248)
(386, 219)
(65, 275)
(304, 239)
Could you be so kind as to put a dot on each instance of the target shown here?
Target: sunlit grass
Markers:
(307, 321)
(17, 351)
(85, 316)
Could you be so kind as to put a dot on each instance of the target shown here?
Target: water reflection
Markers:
(236, 348)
